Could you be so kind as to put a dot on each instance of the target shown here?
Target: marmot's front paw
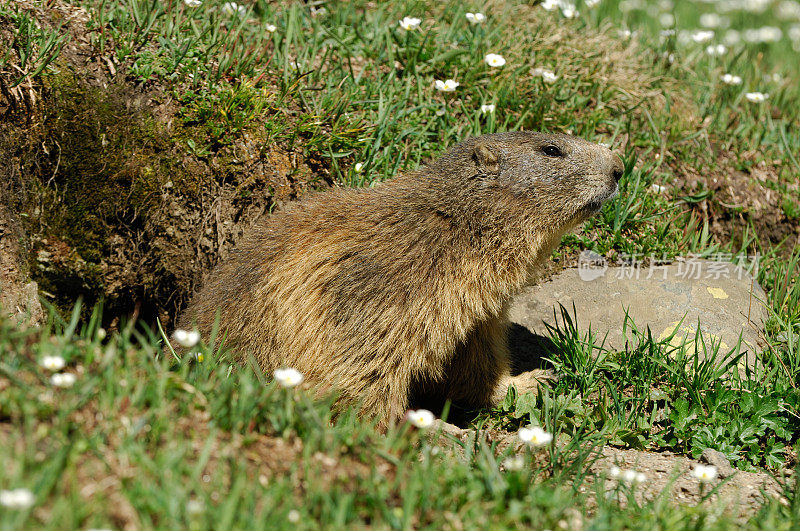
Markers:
(527, 382)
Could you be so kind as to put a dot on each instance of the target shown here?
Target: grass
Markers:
(682, 396)
(151, 441)
(155, 441)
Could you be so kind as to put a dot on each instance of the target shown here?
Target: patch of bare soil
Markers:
(18, 297)
(739, 200)
(740, 493)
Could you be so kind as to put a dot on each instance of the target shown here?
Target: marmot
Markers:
(402, 289)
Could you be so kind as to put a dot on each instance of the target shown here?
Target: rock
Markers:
(722, 297)
(717, 459)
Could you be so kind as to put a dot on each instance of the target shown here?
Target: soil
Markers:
(742, 493)
(18, 297)
(739, 201)
(667, 475)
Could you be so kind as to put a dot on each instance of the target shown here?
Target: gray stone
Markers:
(717, 459)
(721, 296)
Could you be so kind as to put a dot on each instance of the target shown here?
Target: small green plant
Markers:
(791, 208)
(32, 50)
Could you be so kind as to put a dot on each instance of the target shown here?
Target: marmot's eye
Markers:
(552, 151)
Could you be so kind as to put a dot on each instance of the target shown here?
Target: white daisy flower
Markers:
(730, 79)
(52, 363)
(232, 8)
(546, 75)
(359, 167)
(764, 34)
(421, 418)
(632, 477)
(476, 18)
(732, 37)
(195, 506)
(514, 463)
(494, 60)
(788, 9)
(410, 23)
(569, 11)
(193, 3)
(63, 379)
(756, 97)
(489, 108)
(702, 36)
(16, 498)
(711, 20)
(715, 50)
(449, 85)
(534, 436)
(186, 338)
(271, 28)
(629, 476)
(288, 377)
(704, 473)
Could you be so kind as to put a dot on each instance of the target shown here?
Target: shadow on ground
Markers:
(528, 352)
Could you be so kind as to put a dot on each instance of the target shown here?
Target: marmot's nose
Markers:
(617, 169)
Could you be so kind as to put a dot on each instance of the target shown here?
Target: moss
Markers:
(127, 203)
(92, 143)
(101, 163)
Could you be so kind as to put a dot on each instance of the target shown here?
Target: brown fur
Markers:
(403, 288)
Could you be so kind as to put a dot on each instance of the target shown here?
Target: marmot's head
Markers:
(560, 179)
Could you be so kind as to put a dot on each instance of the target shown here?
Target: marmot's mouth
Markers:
(593, 206)
(596, 203)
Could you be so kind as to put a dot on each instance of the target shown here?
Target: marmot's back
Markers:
(375, 292)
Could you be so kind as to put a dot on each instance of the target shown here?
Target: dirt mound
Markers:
(118, 203)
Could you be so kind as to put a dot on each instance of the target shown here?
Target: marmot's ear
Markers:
(487, 158)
